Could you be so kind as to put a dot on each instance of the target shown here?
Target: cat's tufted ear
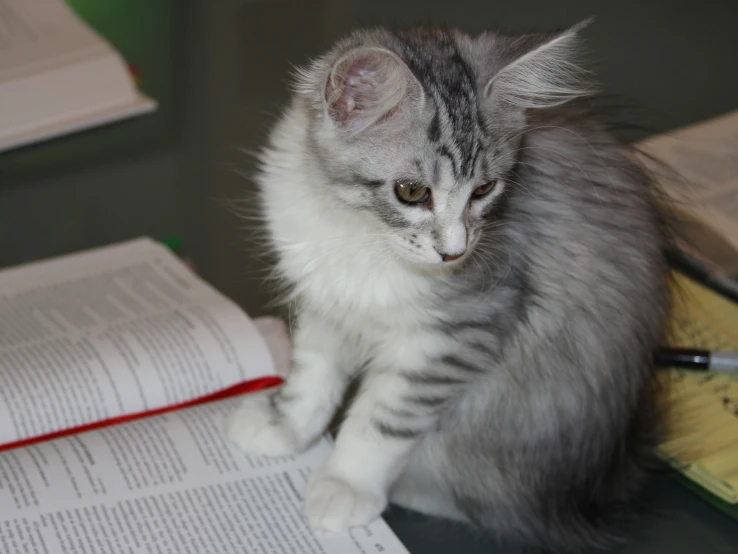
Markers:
(369, 87)
(539, 70)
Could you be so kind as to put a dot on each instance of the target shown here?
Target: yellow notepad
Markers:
(702, 434)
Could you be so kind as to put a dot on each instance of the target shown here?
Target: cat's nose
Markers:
(450, 257)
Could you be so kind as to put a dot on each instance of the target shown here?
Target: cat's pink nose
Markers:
(450, 257)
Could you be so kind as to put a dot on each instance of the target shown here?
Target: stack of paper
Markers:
(702, 439)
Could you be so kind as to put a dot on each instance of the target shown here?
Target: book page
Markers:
(170, 483)
(41, 34)
(118, 330)
(700, 175)
(57, 75)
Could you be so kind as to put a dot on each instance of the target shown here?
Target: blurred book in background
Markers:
(697, 169)
(57, 75)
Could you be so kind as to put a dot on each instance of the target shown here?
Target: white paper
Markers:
(118, 330)
(170, 483)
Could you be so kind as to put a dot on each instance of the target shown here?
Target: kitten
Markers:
(489, 266)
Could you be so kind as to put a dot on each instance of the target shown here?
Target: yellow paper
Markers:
(702, 421)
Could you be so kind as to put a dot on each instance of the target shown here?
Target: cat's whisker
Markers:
(501, 278)
(351, 250)
(354, 251)
(481, 271)
(493, 222)
(497, 229)
(519, 183)
(303, 244)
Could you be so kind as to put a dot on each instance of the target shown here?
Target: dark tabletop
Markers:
(219, 70)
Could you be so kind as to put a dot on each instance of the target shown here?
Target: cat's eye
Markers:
(411, 192)
(484, 190)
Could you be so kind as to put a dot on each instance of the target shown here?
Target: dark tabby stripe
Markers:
(369, 183)
(389, 214)
(432, 379)
(279, 399)
(434, 130)
(394, 431)
(444, 151)
(474, 160)
(427, 401)
(490, 349)
(481, 323)
(456, 362)
(397, 412)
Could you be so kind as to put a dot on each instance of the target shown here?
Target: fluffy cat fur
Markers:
(510, 385)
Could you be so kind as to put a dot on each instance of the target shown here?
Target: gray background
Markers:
(220, 70)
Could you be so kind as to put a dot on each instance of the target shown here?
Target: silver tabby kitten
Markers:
(485, 263)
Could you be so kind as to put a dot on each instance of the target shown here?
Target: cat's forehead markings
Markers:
(473, 165)
(446, 153)
(434, 129)
(450, 82)
(367, 182)
(485, 164)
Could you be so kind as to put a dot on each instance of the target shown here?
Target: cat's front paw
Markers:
(258, 428)
(335, 505)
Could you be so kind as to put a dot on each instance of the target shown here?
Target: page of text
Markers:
(115, 331)
(170, 483)
(42, 34)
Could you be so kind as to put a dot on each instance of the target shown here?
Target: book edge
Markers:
(142, 104)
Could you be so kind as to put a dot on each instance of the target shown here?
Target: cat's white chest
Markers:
(355, 281)
(340, 264)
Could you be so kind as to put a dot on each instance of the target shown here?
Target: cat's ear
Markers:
(366, 87)
(539, 70)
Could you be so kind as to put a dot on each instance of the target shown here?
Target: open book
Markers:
(57, 75)
(697, 168)
(128, 341)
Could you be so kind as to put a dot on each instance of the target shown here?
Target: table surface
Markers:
(220, 70)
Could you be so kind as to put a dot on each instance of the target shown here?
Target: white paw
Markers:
(257, 428)
(334, 505)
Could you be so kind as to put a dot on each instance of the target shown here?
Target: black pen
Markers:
(698, 359)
